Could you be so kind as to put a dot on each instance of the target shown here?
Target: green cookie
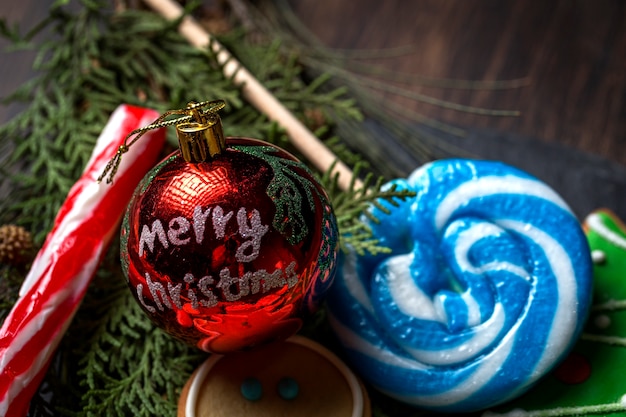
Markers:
(592, 379)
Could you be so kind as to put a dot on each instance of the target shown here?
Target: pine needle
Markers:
(90, 61)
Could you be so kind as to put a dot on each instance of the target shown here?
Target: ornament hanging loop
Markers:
(199, 131)
(202, 137)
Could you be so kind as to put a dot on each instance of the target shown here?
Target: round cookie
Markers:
(298, 377)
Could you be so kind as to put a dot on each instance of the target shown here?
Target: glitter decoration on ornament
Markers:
(228, 242)
(485, 290)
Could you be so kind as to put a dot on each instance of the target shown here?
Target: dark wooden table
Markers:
(569, 58)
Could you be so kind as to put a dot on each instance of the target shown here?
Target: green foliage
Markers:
(96, 60)
(10, 281)
(89, 62)
(352, 204)
(282, 73)
(113, 361)
(128, 367)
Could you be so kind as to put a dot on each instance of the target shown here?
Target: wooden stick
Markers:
(257, 95)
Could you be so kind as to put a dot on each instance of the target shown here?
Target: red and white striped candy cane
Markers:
(63, 268)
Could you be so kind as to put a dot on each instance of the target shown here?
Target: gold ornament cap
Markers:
(202, 137)
(199, 131)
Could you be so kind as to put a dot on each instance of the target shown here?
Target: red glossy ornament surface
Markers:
(230, 253)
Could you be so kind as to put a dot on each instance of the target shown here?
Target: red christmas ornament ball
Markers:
(229, 253)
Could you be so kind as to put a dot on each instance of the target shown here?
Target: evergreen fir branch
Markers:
(10, 282)
(282, 72)
(345, 154)
(84, 76)
(10, 33)
(93, 61)
(355, 204)
(128, 367)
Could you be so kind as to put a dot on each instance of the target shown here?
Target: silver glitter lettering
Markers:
(226, 282)
(273, 280)
(148, 235)
(255, 282)
(204, 283)
(220, 220)
(141, 300)
(199, 222)
(192, 296)
(189, 278)
(292, 276)
(156, 289)
(244, 284)
(174, 291)
(177, 228)
(255, 230)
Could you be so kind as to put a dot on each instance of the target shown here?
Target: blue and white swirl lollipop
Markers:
(486, 289)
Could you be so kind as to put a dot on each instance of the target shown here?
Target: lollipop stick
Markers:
(257, 95)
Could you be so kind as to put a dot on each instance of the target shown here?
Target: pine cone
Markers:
(16, 245)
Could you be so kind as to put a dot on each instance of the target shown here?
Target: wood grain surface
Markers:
(569, 55)
(567, 58)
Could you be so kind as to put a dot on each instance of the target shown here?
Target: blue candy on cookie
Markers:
(486, 289)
